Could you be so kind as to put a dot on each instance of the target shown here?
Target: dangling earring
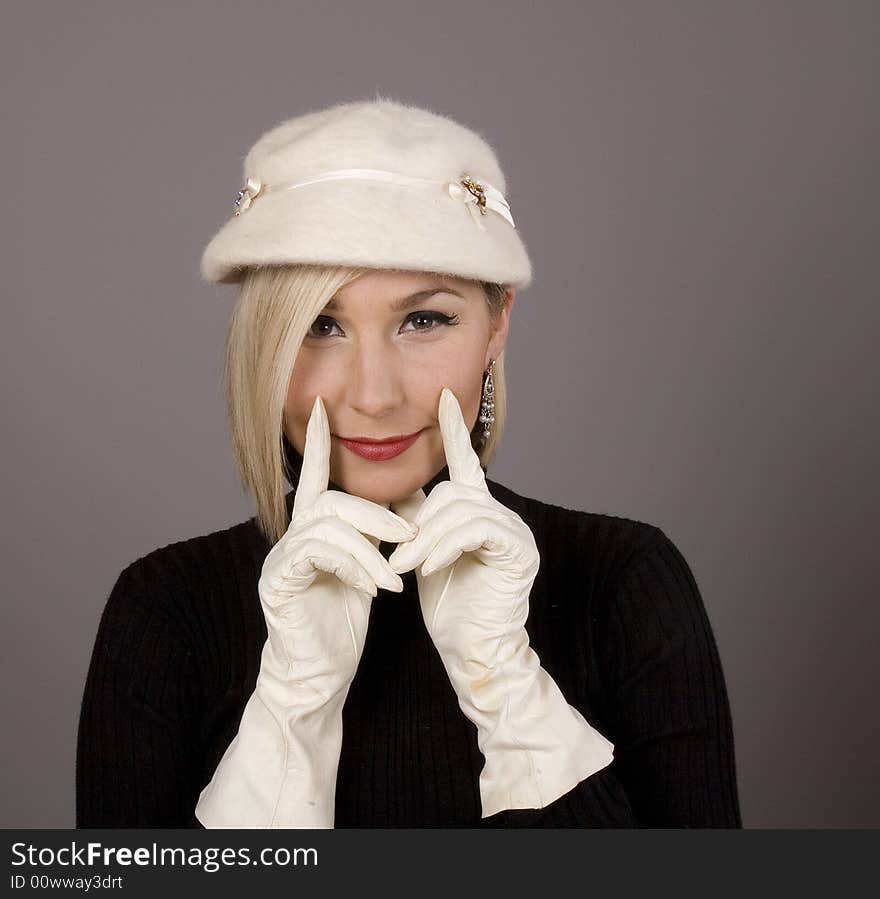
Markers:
(487, 407)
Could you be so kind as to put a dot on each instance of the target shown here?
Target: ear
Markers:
(498, 339)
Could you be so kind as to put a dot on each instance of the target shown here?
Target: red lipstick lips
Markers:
(378, 450)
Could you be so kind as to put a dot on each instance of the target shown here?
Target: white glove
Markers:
(316, 588)
(478, 563)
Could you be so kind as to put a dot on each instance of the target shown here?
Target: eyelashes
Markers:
(440, 319)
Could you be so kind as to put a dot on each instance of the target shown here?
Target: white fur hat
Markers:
(376, 184)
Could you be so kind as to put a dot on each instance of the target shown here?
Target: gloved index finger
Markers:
(366, 516)
(315, 473)
(463, 462)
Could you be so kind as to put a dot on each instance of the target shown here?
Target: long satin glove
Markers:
(478, 563)
(316, 588)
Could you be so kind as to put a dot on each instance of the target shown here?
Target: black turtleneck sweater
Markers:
(616, 618)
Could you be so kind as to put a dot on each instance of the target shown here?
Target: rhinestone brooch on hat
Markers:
(480, 198)
(246, 195)
(477, 190)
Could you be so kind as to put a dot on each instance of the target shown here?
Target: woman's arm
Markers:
(667, 705)
(137, 764)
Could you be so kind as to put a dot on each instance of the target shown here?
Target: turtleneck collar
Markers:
(294, 461)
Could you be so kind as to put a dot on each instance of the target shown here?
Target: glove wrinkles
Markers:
(316, 589)
(280, 769)
(482, 561)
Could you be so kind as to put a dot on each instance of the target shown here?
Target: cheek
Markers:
(308, 380)
(462, 373)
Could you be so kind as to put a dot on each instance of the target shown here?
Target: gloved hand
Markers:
(316, 588)
(478, 563)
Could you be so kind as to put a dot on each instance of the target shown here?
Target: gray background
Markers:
(697, 185)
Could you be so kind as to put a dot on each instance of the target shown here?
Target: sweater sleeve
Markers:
(667, 704)
(137, 764)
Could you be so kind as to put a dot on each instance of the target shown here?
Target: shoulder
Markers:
(628, 576)
(179, 580)
(617, 584)
(597, 546)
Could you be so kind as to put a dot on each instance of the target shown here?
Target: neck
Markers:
(293, 462)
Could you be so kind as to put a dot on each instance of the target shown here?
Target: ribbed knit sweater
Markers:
(615, 617)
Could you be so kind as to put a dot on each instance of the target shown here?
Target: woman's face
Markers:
(379, 355)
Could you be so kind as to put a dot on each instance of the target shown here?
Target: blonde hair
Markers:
(275, 307)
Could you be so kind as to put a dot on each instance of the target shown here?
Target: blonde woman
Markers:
(398, 641)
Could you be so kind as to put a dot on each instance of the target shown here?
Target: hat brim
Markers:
(367, 225)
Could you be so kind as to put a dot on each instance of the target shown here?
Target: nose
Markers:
(375, 382)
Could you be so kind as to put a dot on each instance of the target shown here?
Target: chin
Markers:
(385, 489)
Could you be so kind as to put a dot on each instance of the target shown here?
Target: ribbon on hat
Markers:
(478, 196)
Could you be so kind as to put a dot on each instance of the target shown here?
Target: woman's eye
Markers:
(320, 321)
(440, 317)
(323, 324)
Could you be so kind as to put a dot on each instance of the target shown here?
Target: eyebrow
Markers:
(405, 302)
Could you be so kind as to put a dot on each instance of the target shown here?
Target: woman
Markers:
(398, 641)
